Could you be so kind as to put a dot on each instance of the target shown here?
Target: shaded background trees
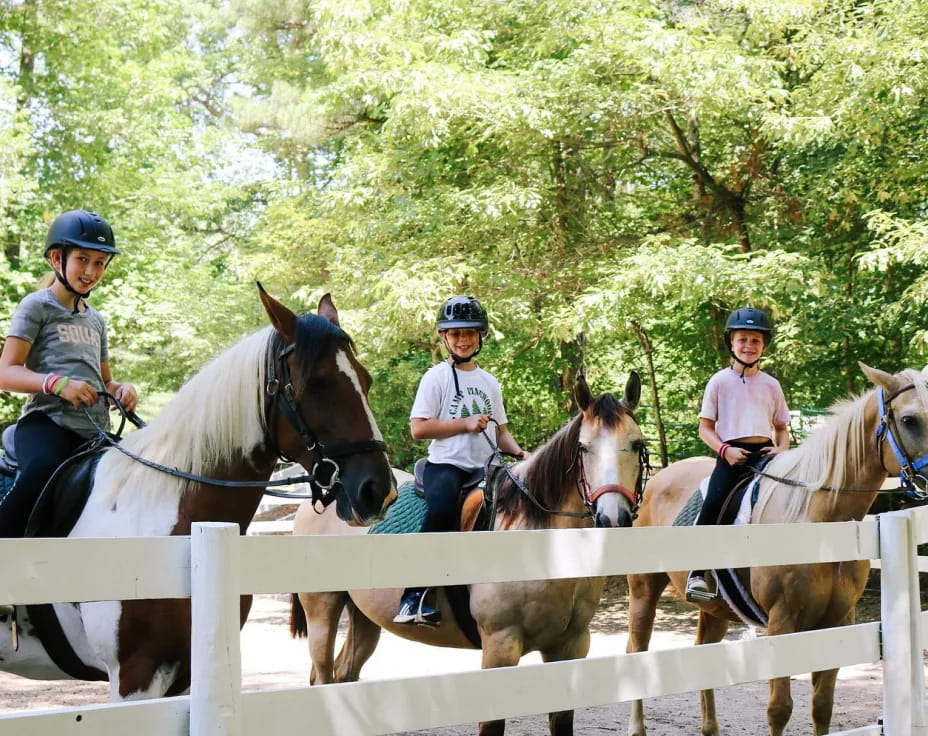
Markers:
(610, 179)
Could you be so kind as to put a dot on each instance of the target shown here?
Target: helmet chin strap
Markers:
(61, 277)
(458, 360)
(77, 295)
(746, 365)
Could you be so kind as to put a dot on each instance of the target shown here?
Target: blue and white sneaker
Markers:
(414, 610)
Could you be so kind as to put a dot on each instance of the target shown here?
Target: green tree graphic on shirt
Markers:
(475, 408)
(464, 412)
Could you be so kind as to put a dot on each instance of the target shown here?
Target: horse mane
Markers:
(554, 470)
(217, 417)
(824, 457)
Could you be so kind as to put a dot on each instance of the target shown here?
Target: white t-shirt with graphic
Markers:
(436, 398)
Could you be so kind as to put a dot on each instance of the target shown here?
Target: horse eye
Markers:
(910, 421)
(584, 447)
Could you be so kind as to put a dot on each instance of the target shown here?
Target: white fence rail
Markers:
(215, 565)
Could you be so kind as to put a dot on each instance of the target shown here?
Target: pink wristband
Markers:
(48, 384)
(722, 448)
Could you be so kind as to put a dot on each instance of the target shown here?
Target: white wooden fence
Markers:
(215, 565)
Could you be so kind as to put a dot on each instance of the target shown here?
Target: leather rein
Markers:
(279, 395)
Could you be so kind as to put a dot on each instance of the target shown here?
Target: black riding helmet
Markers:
(748, 318)
(462, 312)
(79, 229)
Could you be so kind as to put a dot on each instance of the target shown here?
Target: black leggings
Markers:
(725, 477)
(41, 446)
(442, 485)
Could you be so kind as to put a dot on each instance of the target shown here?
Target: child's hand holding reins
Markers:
(78, 393)
(125, 394)
(476, 422)
(736, 455)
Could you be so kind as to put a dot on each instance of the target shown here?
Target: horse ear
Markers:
(282, 319)
(327, 309)
(876, 376)
(633, 390)
(582, 392)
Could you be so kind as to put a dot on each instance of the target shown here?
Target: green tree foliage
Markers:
(116, 107)
(610, 179)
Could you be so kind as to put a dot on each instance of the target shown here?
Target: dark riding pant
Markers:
(41, 446)
(723, 480)
(442, 484)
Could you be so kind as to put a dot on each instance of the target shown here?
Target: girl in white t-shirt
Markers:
(454, 404)
(744, 418)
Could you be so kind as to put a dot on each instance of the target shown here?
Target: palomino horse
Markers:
(832, 476)
(293, 389)
(599, 455)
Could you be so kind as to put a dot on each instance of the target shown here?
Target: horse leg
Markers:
(823, 700)
(780, 705)
(709, 630)
(322, 613)
(500, 649)
(360, 643)
(561, 723)
(643, 594)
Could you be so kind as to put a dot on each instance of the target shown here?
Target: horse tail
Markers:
(298, 627)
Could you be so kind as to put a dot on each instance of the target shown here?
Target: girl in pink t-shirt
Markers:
(744, 418)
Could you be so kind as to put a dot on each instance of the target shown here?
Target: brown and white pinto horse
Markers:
(601, 448)
(293, 389)
(832, 476)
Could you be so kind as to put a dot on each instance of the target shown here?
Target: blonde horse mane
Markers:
(826, 456)
(216, 418)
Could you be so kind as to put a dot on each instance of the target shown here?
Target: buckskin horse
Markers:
(592, 468)
(833, 476)
(294, 389)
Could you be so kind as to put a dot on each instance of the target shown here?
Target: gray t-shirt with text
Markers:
(69, 344)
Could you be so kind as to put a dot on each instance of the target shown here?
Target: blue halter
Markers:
(887, 431)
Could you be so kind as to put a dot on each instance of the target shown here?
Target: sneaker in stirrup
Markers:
(697, 590)
(414, 610)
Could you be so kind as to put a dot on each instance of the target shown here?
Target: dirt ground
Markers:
(272, 660)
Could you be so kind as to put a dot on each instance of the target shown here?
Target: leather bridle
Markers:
(279, 395)
(589, 496)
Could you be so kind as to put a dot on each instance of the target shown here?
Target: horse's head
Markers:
(902, 407)
(613, 457)
(318, 414)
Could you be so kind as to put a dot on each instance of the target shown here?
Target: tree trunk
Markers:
(573, 352)
(11, 240)
(648, 350)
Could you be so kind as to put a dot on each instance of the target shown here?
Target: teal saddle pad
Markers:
(405, 515)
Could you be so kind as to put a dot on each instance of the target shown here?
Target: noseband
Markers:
(280, 395)
(590, 496)
(888, 431)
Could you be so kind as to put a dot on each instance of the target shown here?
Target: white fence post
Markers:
(895, 614)
(919, 720)
(216, 657)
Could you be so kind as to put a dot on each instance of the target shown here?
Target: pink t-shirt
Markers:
(752, 407)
